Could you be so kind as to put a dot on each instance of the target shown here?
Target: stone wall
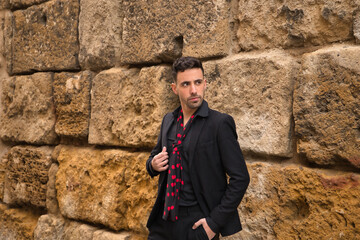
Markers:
(85, 83)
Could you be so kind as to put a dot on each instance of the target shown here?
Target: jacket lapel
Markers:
(196, 131)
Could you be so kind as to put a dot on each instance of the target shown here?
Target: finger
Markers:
(197, 224)
(164, 149)
(163, 168)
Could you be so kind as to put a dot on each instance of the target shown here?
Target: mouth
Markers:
(194, 99)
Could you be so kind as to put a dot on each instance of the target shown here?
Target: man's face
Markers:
(190, 87)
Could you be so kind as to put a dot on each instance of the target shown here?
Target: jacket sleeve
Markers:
(235, 167)
(157, 149)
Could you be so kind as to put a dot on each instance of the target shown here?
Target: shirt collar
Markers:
(202, 111)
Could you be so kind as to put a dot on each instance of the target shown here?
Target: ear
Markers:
(205, 81)
(173, 87)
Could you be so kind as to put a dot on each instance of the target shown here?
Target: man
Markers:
(197, 148)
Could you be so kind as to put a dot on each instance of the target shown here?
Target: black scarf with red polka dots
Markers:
(174, 179)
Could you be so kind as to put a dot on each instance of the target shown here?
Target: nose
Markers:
(193, 89)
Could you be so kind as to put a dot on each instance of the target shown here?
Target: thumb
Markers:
(196, 225)
(164, 149)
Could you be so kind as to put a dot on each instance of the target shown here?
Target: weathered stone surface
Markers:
(4, 4)
(327, 106)
(55, 227)
(27, 109)
(15, 4)
(3, 150)
(158, 31)
(72, 103)
(16, 224)
(108, 187)
(26, 175)
(100, 31)
(268, 24)
(256, 89)
(299, 203)
(2, 29)
(127, 106)
(44, 37)
(49, 227)
(105, 235)
(357, 26)
(51, 199)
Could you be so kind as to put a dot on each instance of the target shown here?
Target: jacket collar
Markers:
(202, 111)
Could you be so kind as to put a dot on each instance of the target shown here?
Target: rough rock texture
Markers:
(49, 227)
(51, 200)
(15, 4)
(72, 103)
(54, 227)
(127, 106)
(158, 31)
(289, 23)
(27, 109)
(16, 223)
(2, 29)
(26, 175)
(299, 203)
(256, 89)
(356, 26)
(327, 106)
(100, 31)
(108, 187)
(44, 37)
(2, 178)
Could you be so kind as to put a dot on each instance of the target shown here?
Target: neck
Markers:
(187, 112)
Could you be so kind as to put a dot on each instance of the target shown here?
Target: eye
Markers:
(185, 84)
(198, 82)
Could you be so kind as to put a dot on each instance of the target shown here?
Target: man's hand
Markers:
(160, 161)
(208, 231)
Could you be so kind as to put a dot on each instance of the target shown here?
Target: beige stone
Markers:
(127, 106)
(44, 38)
(256, 89)
(4, 4)
(2, 29)
(49, 227)
(109, 187)
(16, 223)
(326, 106)
(106, 235)
(100, 31)
(27, 109)
(299, 203)
(16, 4)
(51, 199)
(288, 23)
(77, 231)
(26, 175)
(72, 103)
(356, 26)
(160, 31)
(3, 150)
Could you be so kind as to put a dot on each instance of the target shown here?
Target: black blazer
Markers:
(214, 152)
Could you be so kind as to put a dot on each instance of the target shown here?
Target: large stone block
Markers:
(100, 26)
(16, 224)
(51, 200)
(3, 150)
(55, 227)
(27, 109)
(72, 103)
(356, 26)
(256, 89)
(127, 106)
(109, 187)
(158, 31)
(44, 38)
(289, 23)
(299, 203)
(327, 106)
(16, 4)
(26, 175)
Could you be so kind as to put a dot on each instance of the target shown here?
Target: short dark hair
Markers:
(183, 63)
